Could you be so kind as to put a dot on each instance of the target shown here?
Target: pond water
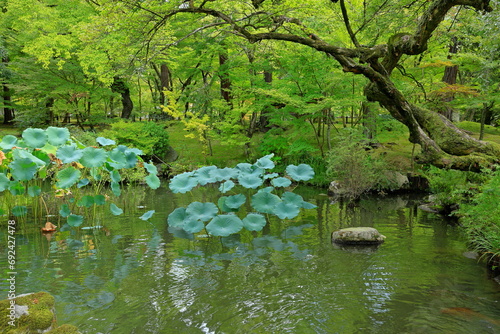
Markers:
(135, 276)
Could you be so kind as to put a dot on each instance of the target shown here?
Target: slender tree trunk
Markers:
(49, 105)
(450, 78)
(225, 81)
(8, 111)
(120, 86)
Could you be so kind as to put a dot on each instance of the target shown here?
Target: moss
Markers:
(64, 329)
(40, 317)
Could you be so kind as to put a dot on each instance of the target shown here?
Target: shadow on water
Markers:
(142, 277)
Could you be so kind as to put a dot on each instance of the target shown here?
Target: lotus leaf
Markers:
(270, 176)
(179, 232)
(265, 162)
(19, 210)
(301, 172)
(57, 136)
(245, 168)
(193, 226)
(35, 138)
(134, 150)
(115, 210)
(235, 201)
(16, 188)
(281, 182)
(34, 191)
(115, 188)
(118, 159)
(222, 205)
(75, 220)
(269, 241)
(4, 182)
(42, 156)
(151, 168)
(202, 211)
(250, 181)
(105, 141)
(67, 177)
(147, 215)
(307, 205)
(153, 181)
(177, 217)
(99, 200)
(226, 186)
(86, 201)
(23, 169)
(297, 200)
(64, 211)
(131, 158)
(183, 183)
(254, 222)
(8, 142)
(18, 154)
(265, 202)
(93, 157)
(203, 175)
(68, 154)
(265, 190)
(286, 210)
(223, 174)
(224, 225)
(115, 176)
(83, 182)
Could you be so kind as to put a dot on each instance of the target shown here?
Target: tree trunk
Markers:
(225, 81)
(8, 111)
(119, 86)
(50, 112)
(450, 78)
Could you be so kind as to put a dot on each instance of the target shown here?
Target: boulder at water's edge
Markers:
(358, 236)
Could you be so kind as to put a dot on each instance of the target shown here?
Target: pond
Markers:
(134, 276)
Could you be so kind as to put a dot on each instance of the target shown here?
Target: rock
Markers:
(171, 155)
(358, 236)
(31, 313)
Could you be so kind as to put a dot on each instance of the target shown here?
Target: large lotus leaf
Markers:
(286, 210)
(297, 200)
(86, 201)
(42, 156)
(115, 176)
(131, 159)
(151, 168)
(69, 153)
(116, 189)
(281, 182)
(307, 205)
(67, 177)
(270, 176)
(183, 183)
(147, 215)
(265, 190)
(265, 202)
(222, 205)
(202, 211)
(177, 217)
(83, 182)
(19, 210)
(4, 182)
(152, 181)
(265, 162)
(224, 225)
(64, 211)
(250, 181)
(223, 174)
(203, 175)
(23, 154)
(23, 169)
(115, 210)
(226, 186)
(75, 220)
(105, 141)
(118, 159)
(16, 188)
(99, 200)
(193, 226)
(134, 150)
(254, 222)
(301, 172)
(57, 136)
(235, 201)
(95, 172)
(8, 142)
(93, 157)
(35, 138)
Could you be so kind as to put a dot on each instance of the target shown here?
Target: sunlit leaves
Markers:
(235, 201)
(105, 141)
(69, 153)
(286, 210)
(265, 202)
(254, 222)
(183, 183)
(281, 182)
(250, 181)
(23, 169)
(57, 136)
(177, 217)
(34, 138)
(8, 142)
(93, 157)
(202, 211)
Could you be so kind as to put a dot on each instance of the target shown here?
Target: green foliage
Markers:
(249, 176)
(52, 155)
(149, 137)
(354, 167)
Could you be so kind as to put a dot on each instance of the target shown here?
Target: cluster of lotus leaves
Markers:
(222, 218)
(31, 156)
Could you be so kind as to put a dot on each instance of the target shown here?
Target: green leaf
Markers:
(83, 182)
(19, 210)
(202, 211)
(75, 220)
(115, 176)
(286, 210)
(86, 201)
(226, 186)
(116, 211)
(34, 191)
(265, 162)
(222, 205)
(8, 142)
(153, 181)
(224, 225)
(203, 175)
(151, 168)
(57, 136)
(115, 188)
(35, 138)
(281, 182)
(147, 215)
(4, 182)
(223, 174)
(177, 217)
(301, 172)
(64, 211)
(250, 181)
(235, 201)
(265, 202)
(193, 226)
(104, 141)
(93, 157)
(16, 188)
(118, 159)
(23, 169)
(67, 177)
(19, 154)
(183, 183)
(99, 199)
(69, 153)
(254, 222)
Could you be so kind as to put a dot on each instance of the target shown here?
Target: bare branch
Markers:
(352, 35)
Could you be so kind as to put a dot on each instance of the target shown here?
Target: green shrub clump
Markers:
(150, 137)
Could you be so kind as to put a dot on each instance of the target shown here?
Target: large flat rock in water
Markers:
(358, 236)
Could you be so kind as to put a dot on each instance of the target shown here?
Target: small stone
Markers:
(358, 236)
